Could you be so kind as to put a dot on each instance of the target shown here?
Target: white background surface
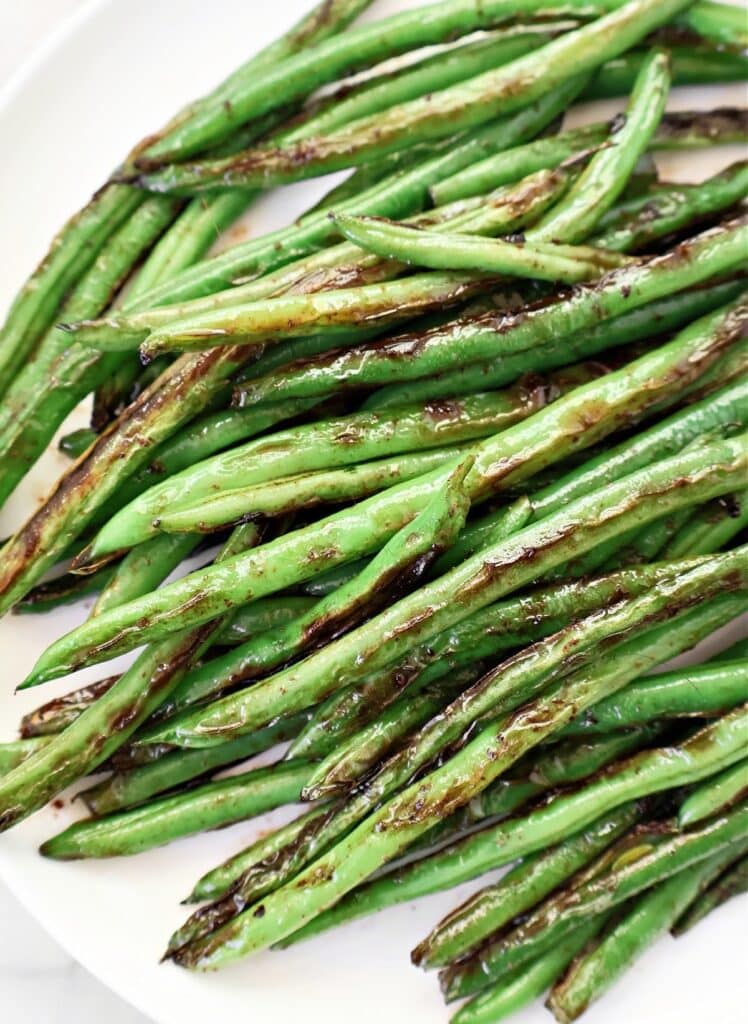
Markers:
(39, 982)
(116, 915)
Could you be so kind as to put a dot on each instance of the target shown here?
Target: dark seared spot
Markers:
(444, 409)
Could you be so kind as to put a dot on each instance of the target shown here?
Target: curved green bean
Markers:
(439, 250)
(605, 176)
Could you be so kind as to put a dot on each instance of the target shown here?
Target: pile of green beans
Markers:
(411, 500)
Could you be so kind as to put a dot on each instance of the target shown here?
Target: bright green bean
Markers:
(134, 787)
(520, 889)
(698, 690)
(606, 175)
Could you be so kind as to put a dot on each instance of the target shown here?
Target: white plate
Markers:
(119, 70)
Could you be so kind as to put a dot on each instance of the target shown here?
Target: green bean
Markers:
(635, 225)
(77, 442)
(342, 441)
(267, 614)
(16, 751)
(442, 251)
(691, 65)
(528, 982)
(307, 491)
(711, 527)
(455, 108)
(720, 23)
(698, 690)
(498, 627)
(497, 335)
(731, 883)
(521, 450)
(420, 806)
(64, 589)
(520, 889)
(214, 805)
(143, 568)
(714, 794)
(20, 428)
(651, 915)
(56, 714)
(351, 760)
(104, 726)
(688, 128)
(606, 175)
(219, 880)
(70, 255)
(658, 317)
(134, 787)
